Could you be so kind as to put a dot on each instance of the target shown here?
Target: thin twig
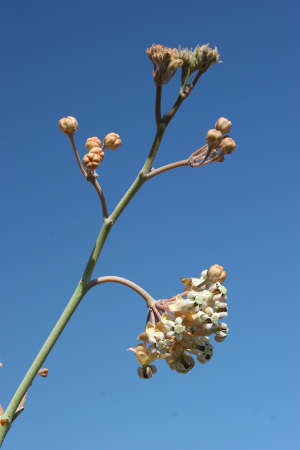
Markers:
(114, 279)
(154, 172)
(96, 185)
(158, 105)
(76, 155)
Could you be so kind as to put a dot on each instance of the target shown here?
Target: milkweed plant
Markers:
(178, 329)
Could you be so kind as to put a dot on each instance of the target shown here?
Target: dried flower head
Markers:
(92, 142)
(224, 125)
(165, 61)
(199, 59)
(112, 141)
(68, 125)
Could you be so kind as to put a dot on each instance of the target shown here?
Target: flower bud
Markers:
(68, 125)
(213, 137)
(91, 160)
(146, 372)
(97, 151)
(112, 141)
(227, 145)
(92, 142)
(43, 372)
(216, 273)
(220, 336)
(223, 125)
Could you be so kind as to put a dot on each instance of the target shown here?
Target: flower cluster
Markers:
(165, 62)
(185, 325)
(199, 59)
(218, 144)
(95, 155)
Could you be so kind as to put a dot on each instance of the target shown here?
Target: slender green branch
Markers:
(113, 279)
(82, 286)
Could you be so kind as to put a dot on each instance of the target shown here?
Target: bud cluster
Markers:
(95, 155)
(216, 141)
(185, 327)
(199, 59)
(165, 61)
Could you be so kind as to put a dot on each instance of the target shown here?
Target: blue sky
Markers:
(88, 59)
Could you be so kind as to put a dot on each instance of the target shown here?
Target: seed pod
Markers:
(223, 125)
(68, 125)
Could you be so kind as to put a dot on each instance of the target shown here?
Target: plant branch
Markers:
(158, 105)
(114, 279)
(96, 185)
(82, 285)
(77, 155)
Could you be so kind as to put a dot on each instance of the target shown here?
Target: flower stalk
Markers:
(166, 62)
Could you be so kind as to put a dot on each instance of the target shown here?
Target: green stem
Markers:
(82, 287)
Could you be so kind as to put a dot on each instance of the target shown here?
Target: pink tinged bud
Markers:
(223, 125)
(227, 145)
(216, 273)
(97, 151)
(112, 141)
(68, 125)
(91, 160)
(213, 137)
(43, 372)
(92, 142)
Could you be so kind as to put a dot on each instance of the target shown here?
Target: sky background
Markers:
(87, 58)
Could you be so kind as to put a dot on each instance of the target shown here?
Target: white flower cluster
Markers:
(185, 329)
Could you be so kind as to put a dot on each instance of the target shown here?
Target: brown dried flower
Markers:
(165, 62)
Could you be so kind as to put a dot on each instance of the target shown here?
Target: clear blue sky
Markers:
(87, 58)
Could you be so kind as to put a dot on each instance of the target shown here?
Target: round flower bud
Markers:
(213, 137)
(91, 160)
(220, 336)
(43, 372)
(112, 141)
(92, 142)
(216, 273)
(146, 372)
(97, 151)
(227, 145)
(223, 125)
(68, 125)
